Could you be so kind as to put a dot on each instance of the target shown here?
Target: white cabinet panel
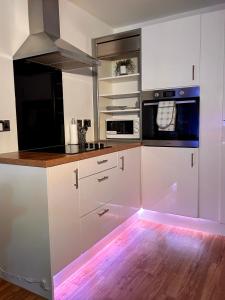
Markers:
(129, 181)
(170, 53)
(98, 224)
(170, 180)
(222, 214)
(212, 81)
(97, 164)
(64, 224)
(96, 190)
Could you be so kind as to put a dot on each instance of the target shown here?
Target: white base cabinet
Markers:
(129, 181)
(171, 53)
(97, 224)
(64, 223)
(170, 180)
(109, 197)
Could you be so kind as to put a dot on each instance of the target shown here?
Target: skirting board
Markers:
(184, 222)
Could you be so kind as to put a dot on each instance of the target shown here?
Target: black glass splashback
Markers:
(39, 105)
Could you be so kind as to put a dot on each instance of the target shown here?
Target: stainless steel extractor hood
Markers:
(44, 44)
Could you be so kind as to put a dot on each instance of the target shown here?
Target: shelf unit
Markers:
(112, 89)
(122, 111)
(121, 96)
(120, 78)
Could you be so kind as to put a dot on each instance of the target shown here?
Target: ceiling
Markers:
(118, 13)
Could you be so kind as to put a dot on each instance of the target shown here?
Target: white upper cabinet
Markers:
(170, 180)
(171, 54)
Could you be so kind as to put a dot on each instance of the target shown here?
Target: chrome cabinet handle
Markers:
(76, 178)
(103, 212)
(192, 160)
(193, 72)
(123, 163)
(99, 162)
(103, 178)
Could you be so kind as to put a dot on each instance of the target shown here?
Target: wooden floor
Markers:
(152, 261)
(12, 292)
(147, 261)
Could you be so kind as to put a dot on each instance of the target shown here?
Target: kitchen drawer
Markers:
(97, 190)
(98, 224)
(97, 164)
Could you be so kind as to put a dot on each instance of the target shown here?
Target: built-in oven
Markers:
(123, 128)
(170, 118)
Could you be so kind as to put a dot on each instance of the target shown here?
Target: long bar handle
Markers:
(192, 160)
(103, 178)
(76, 178)
(103, 212)
(123, 163)
(99, 162)
(193, 72)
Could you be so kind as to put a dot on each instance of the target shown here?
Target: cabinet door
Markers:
(222, 208)
(170, 53)
(212, 81)
(129, 181)
(63, 215)
(170, 180)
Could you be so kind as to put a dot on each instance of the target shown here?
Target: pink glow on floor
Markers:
(99, 264)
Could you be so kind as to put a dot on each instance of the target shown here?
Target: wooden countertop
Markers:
(45, 160)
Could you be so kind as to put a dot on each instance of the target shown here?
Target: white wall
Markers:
(13, 31)
(78, 27)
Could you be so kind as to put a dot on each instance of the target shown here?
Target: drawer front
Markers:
(98, 224)
(97, 164)
(97, 190)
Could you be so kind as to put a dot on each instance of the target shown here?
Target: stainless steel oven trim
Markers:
(171, 143)
(177, 102)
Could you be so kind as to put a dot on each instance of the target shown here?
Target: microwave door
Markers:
(121, 129)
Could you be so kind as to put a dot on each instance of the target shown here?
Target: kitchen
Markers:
(173, 177)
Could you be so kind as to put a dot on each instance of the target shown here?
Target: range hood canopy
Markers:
(44, 44)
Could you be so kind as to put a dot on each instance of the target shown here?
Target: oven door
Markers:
(120, 129)
(186, 133)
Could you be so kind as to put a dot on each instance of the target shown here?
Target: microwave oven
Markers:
(123, 128)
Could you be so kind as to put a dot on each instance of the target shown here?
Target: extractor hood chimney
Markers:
(44, 44)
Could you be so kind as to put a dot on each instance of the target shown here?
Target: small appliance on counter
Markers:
(123, 128)
(73, 132)
(170, 118)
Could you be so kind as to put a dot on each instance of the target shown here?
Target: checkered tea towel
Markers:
(166, 115)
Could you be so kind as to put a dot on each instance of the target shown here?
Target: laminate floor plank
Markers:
(150, 261)
(10, 291)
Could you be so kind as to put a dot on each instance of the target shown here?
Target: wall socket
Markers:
(79, 123)
(87, 122)
(4, 125)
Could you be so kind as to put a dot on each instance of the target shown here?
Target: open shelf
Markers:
(121, 96)
(121, 78)
(120, 111)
